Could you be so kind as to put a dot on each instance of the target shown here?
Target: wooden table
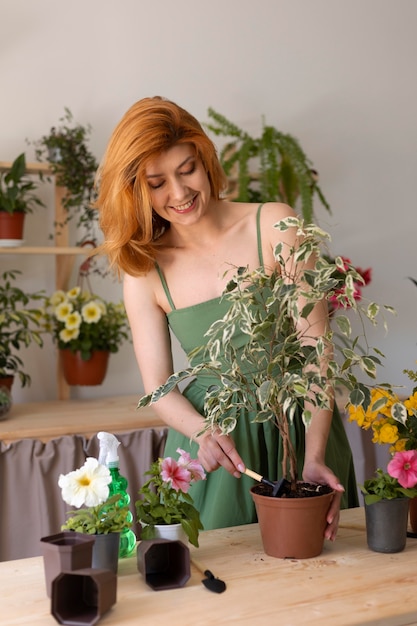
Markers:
(347, 584)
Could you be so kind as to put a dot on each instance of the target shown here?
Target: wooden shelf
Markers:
(31, 168)
(72, 250)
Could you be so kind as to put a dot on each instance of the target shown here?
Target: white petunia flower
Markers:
(87, 486)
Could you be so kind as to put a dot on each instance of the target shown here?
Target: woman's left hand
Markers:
(315, 472)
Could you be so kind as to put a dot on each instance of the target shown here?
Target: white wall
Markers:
(338, 75)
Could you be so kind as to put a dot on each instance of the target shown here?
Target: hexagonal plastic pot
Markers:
(65, 551)
(165, 564)
(83, 596)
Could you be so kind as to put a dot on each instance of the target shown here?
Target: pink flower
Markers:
(403, 467)
(176, 475)
(192, 465)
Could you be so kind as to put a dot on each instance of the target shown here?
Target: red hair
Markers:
(151, 126)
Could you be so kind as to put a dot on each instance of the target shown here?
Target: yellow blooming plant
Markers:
(81, 321)
(392, 420)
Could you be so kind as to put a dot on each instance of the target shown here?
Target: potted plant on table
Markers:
(103, 518)
(86, 330)
(279, 368)
(17, 198)
(19, 327)
(165, 504)
(387, 496)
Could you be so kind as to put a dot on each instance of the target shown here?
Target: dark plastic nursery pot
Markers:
(83, 596)
(65, 551)
(165, 564)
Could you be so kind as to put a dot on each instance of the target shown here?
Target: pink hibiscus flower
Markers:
(403, 467)
(192, 465)
(176, 475)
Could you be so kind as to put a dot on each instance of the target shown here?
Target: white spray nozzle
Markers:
(108, 448)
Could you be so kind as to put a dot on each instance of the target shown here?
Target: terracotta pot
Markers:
(11, 226)
(79, 372)
(7, 381)
(292, 527)
(413, 514)
(386, 525)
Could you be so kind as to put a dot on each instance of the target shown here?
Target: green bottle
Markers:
(108, 456)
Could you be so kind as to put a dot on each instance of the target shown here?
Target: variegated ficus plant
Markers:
(283, 367)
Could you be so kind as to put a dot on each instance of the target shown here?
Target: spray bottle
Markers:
(108, 456)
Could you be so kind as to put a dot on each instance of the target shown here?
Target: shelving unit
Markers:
(63, 252)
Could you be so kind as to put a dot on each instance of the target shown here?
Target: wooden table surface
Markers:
(48, 420)
(347, 584)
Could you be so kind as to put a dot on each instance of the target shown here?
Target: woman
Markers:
(168, 230)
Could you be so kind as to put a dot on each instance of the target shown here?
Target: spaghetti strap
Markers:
(165, 286)
(258, 233)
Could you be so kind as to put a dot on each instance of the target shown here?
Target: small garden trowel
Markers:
(278, 487)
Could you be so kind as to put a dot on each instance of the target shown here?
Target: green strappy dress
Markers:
(222, 499)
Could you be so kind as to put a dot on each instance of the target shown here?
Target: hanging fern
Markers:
(285, 173)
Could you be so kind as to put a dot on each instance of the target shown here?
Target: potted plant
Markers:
(291, 371)
(86, 330)
(66, 149)
(19, 326)
(103, 515)
(283, 171)
(386, 498)
(17, 198)
(165, 504)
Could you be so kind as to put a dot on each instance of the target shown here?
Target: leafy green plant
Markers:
(280, 367)
(283, 171)
(16, 190)
(5, 401)
(165, 498)
(19, 325)
(74, 165)
(382, 486)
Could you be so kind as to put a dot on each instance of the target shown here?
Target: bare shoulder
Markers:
(140, 291)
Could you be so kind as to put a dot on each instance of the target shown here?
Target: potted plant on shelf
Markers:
(66, 149)
(278, 369)
(17, 198)
(165, 508)
(283, 171)
(86, 330)
(19, 326)
(387, 496)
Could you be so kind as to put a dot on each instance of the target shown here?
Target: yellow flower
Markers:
(357, 414)
(411, 404)
(73, 321)
(63, 310)
(73, 293)
(386, 433)
(66, 335)
(57, 297)
(91, 312)
(398, 446)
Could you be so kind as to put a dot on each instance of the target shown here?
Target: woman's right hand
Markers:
(217, 450)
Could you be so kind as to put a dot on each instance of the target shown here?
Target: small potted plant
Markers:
(283, 172)
(86, 330)
(386, 498)
(279, 369)
(19, 327)
(66, 149)
(103, 515)
(165, 502)
(17, 198)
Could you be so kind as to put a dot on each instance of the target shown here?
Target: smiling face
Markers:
(179, 185)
